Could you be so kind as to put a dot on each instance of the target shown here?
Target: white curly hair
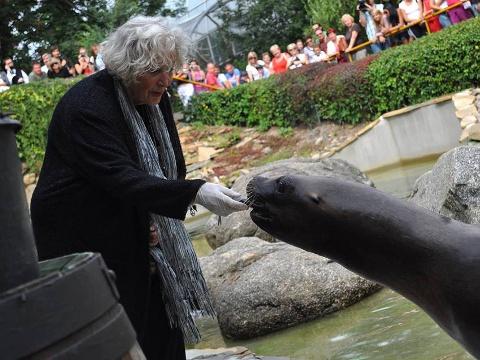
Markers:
(144, 44)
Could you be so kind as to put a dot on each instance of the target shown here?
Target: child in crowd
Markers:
(318, 54)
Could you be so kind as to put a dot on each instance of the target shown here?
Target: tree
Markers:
(258, 24)
(328, 13)
(30, 27)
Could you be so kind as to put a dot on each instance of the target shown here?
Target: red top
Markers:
(211, 79)
(433, 23)
(279, 65)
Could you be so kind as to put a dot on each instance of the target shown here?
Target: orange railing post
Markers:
(197, 83)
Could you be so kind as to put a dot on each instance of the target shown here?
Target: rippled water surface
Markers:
(382, 326)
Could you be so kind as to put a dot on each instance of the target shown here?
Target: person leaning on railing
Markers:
(433, 22)
(382, 28)
(411, 13)
(354, 36)
(458, 13)
(336, 46)
(438, 5)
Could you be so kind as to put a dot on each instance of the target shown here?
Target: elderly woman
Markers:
(113, 182)
(354, 36)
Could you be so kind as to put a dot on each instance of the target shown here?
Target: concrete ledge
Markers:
(402, 135)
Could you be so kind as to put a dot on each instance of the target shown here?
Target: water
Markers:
(382, 326)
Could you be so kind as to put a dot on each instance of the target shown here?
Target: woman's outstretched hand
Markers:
(220, 200)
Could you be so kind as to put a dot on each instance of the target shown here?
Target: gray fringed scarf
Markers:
(184, 288)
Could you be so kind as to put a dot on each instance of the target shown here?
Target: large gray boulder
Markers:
(259, 287)
(239, 224)
(452, 187)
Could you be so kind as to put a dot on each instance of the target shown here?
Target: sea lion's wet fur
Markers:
(430, 259)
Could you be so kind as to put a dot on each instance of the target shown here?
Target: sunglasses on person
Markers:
(252, 58)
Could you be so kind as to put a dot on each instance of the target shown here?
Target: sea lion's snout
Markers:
(257, 193)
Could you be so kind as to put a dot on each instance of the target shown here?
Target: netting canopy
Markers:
(201, 23)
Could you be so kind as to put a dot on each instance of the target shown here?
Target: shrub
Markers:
(342, 93)
(311, 93)
(32, 105)
(432, 66)
(435, 65)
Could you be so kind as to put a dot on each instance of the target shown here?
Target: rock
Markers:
(466, 110)
(239, 224)
(461, 94)
(463, 101)
(476, 92)
(471, 132)
(452, 187)
(464, 135)
(205, 153)
(259, 287)
(474, 132)
(467, 120)
(319, 141)
(29, 179)
(315, 156)
(267, 150)
(246, 140)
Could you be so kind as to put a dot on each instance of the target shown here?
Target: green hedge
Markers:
(33, 104)
(435, 65)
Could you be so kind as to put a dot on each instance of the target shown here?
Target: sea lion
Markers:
(430, 259)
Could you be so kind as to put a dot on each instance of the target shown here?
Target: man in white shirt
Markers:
(14, 75)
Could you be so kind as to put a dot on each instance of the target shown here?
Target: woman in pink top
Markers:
(197, 74)
(279, 62)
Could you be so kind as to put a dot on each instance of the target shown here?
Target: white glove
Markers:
(218, 199)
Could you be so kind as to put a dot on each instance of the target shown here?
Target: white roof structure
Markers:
(201, 23)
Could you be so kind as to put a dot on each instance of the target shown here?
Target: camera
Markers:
(362, 5)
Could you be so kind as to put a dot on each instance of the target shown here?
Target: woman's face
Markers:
(194, 66)
(252, 59)
(56, 68)
(347, 22)
(276, 52)
(150, 87)
(377, 17)
(292, 51)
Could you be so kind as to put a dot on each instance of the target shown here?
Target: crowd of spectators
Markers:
(51, 65)
(377, 23)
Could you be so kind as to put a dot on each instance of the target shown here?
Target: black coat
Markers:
(92, 194)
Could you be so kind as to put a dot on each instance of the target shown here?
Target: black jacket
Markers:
(92, 194)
